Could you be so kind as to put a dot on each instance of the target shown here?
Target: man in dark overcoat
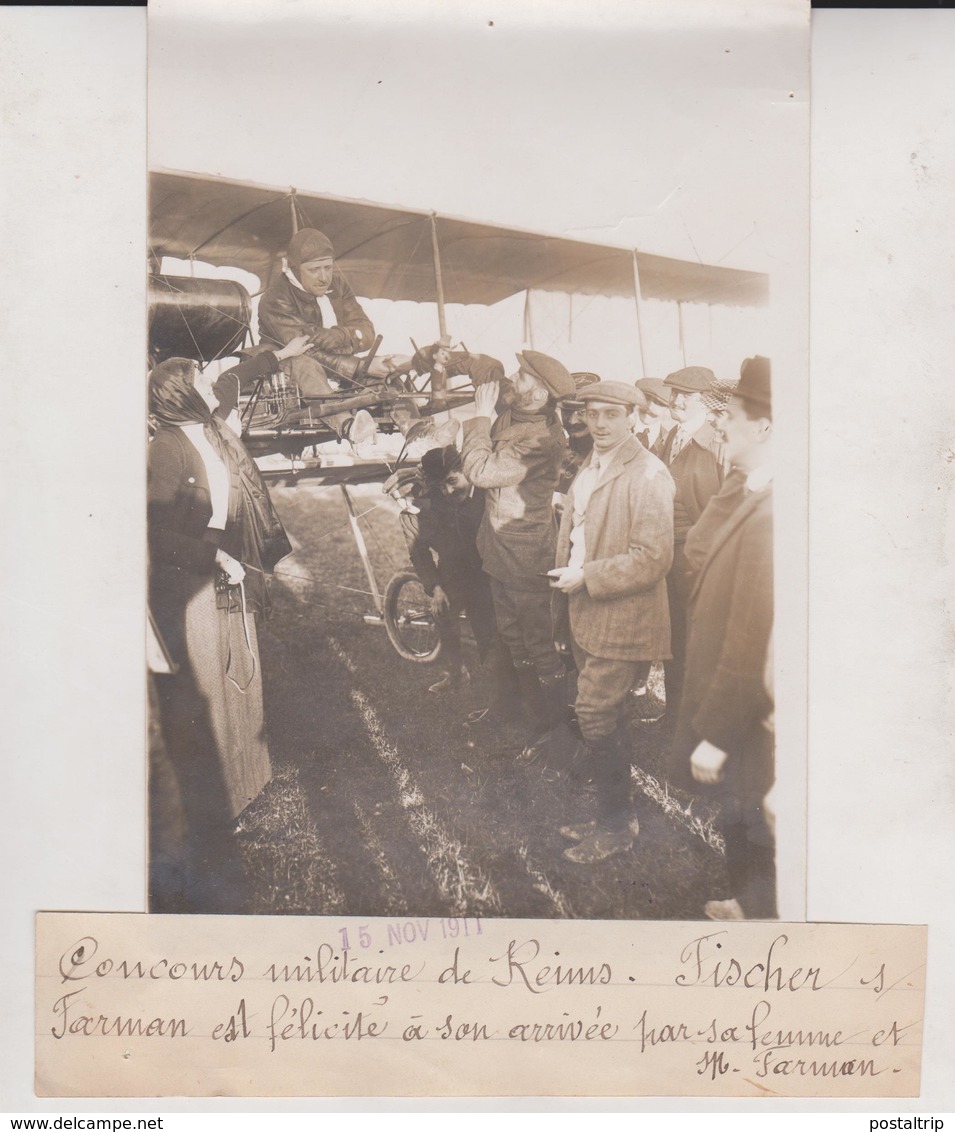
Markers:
(513, 448)
(722, 746)
(693, 455)
(613, 554)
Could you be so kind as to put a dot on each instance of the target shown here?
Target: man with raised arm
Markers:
(513, 448)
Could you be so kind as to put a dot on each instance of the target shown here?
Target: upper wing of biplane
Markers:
(391, 252)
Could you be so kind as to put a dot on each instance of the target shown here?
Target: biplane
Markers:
(391, 253)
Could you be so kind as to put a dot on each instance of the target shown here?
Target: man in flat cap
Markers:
(655, 420)
(613, 553)
(312, 297)
(513, 448)
(723, 744)
(693, 455)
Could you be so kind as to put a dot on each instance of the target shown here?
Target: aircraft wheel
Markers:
(408, 621)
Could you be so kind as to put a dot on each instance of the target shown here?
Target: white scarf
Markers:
(329, 318)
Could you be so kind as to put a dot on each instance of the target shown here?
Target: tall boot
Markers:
(612, 765)
(505, 693)
(555, 741)
(614, 830)
(531, 693)
(556, 707)
(504, 702)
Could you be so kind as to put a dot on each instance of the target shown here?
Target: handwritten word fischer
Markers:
(705, 967)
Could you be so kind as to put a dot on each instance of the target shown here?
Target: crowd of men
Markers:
(593, 527)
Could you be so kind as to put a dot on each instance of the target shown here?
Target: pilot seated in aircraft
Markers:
(313, 297)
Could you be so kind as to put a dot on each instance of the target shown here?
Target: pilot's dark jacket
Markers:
(285, 311)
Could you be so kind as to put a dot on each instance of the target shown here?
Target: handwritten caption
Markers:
(739, 1009)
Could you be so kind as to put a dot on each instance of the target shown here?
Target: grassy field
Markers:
(381, 803)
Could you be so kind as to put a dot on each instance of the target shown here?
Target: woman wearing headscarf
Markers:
(213, 536)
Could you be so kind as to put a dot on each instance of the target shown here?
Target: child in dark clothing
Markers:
(441, 531)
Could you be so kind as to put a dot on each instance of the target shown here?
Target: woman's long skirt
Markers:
(212, 713)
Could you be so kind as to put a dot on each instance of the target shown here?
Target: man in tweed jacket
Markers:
(515, 456)
(613, 552)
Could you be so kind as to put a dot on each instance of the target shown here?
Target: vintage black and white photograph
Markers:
(464, 338)
(616, 130)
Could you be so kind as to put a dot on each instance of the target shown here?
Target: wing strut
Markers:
(363, 552)
(636, 299)
(438, 279)
(528, 321)
(679, 315)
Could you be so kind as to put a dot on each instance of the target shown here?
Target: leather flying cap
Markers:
(754, 381)
(439, 463)
(308, 244)
(612, 393)
(654, 390)
(551, 373)
(693, 379)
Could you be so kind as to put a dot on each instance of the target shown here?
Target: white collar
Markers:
(759, 477)
(293, 279)
(602, 459)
